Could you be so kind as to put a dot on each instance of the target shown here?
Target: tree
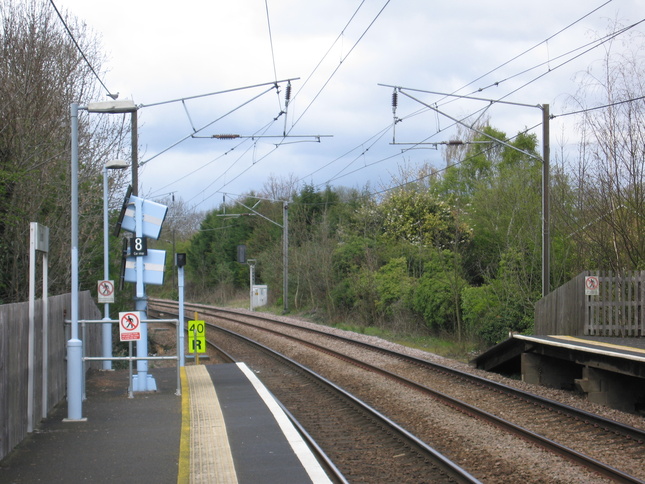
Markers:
(608, 176)
(212, 256)
(41, 74)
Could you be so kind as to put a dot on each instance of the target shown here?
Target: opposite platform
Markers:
(224, 428)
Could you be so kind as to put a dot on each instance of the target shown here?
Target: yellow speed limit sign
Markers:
(196, 337)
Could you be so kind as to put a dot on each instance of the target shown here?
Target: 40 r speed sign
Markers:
(196, 337)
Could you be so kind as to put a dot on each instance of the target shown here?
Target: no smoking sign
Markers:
(130, 326)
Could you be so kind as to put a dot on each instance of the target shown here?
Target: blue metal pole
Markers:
(74, 345)
(107, 327)
(144, 382)
(180, 278)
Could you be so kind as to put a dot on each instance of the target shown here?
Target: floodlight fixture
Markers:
(124, 106)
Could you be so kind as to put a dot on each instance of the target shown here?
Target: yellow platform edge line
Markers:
(183, 472)
(599, 343)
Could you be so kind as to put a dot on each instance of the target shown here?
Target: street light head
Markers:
(125, 106)
(116, 165)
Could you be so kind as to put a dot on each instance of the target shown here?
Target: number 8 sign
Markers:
(139, 246)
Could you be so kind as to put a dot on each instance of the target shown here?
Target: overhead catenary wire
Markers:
(341, 173)
(595, 108)
(275, 71)
(523, 53)
(340, 63)
(560, 31)
(78, 47)
(439, 170)
(598, 43)
(287, 132)
(217, 158)
(588, 47)
(340, 35)
(206, 126)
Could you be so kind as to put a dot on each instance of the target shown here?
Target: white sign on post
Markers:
(592, 285)
(130, 326)
(105, 291)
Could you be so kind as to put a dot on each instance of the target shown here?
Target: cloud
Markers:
(165, 50)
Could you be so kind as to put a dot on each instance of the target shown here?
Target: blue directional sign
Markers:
(153, 267)
(153, 216)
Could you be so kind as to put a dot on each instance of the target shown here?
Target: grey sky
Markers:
(162, 50)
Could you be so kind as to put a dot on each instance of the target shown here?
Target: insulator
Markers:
(226, 136)
(287, 95)
(395, 99)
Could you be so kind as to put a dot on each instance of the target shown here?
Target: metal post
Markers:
(74, 345)
(546, 244)
(45, 306)
(135, 152)
(32, 330)
(195, 316)
(107, 327)
(285, 255)
(143, 382)
(251, 281)
(180, 348)
(131, 385)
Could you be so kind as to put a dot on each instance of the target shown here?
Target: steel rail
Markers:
(544, 442)
(441, 461)
(632, 433)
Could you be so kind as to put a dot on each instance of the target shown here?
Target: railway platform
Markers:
(225, 427)
(609, 370)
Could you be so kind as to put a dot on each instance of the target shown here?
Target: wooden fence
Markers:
(616, 310)
(14, 370)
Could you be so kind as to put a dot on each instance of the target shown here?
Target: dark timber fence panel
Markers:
(617, 309)
(14, 370)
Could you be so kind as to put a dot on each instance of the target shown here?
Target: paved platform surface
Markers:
(633, 348)
(221, 429)
(123, 440)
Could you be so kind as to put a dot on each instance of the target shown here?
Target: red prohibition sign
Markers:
(106, 288)
(130, 321)
(592, 282)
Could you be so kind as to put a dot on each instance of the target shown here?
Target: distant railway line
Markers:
(475, 422)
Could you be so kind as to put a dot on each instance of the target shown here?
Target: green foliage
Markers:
(418, 218)
(457, 255)
(352, 254)
(212, 256)
(436, 297)
(493, 310)
(393, 286)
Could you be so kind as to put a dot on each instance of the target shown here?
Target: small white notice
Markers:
(592, 286)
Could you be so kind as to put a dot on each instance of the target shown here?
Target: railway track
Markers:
(357, 438)
(607, 448)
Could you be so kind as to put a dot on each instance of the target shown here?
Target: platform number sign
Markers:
(196, 337)
(139, 246)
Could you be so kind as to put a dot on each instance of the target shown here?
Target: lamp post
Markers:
(143, 381)
(107, 327)
(74, 344)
